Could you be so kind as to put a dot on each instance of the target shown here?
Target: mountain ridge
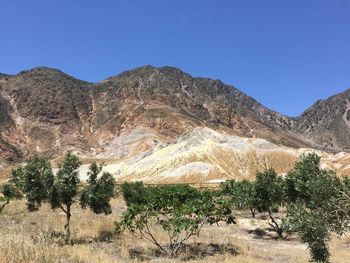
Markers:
(44, 110)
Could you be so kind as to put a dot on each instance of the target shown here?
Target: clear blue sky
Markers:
(284, 53)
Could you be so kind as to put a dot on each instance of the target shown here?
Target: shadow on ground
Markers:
(192, 251)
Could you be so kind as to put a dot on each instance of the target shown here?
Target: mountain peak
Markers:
(41, 70)
(148, 70)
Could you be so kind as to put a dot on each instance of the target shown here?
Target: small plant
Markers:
(180, 210)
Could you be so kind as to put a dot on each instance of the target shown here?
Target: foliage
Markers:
(99, 191)
(268, 196)
(8, 192)
(312, 229)
(241, 194)
(38, 183)
(180, 210)
(66, 184)
(339, 213)
(134, 192)
(35, 179)
(64, 191)
(314, 208)
(308, 183)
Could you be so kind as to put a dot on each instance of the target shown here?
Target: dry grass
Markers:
(36, 237)
(280, 161)
(5, 173)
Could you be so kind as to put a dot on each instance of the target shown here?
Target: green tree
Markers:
(99, 190)
(314, 206)
(269, 196)
(35, 180)
(64, 191)
(241, 194)
(8, 192)
(180, 210)
(312, 229)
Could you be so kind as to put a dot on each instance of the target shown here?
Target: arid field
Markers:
(38, 237)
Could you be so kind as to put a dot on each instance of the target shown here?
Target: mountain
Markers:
(162, 120)
(327, 122)
(44, 110)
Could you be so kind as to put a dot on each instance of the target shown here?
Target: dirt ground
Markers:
(37, 237)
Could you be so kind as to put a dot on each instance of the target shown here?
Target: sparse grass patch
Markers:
(21, 240)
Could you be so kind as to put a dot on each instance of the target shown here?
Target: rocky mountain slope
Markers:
(44, 110)
(327, 122)
(152, 114)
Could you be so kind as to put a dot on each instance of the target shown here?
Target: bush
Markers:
(180, 210)
(241, 194)
(134, 193)
(8, 192)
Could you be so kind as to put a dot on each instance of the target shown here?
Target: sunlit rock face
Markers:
(159, 124)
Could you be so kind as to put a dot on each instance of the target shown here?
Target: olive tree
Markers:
(8, 192)
(180, 211)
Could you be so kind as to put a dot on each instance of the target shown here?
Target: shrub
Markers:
(134, 192)
(180, 210)
(35, 179)
(241, 194)
(8, 192)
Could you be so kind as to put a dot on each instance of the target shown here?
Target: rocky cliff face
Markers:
(43, 110)
(46, 111)
(327, 123)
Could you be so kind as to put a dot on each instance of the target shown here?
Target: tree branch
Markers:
(3, 205)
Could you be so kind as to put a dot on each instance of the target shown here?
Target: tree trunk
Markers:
(276, 227)
(3, 206)
(67, 226)
(253, 212)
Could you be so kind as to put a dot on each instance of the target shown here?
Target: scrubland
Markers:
(38, 237)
